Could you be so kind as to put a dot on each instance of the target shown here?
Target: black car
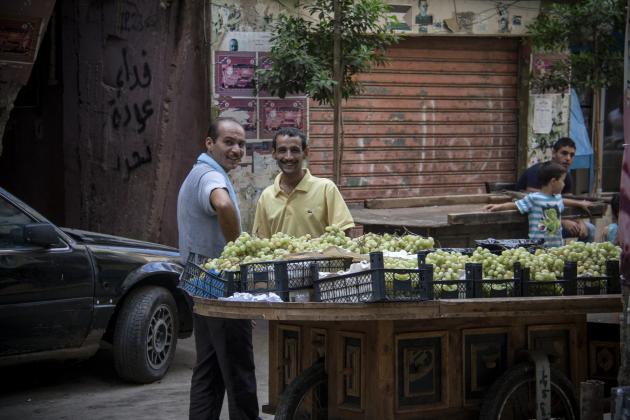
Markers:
(64, 292)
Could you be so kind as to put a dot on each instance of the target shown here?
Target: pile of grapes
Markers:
(544, 264)
(247, 248)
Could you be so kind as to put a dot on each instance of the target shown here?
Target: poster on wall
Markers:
(279, 113)
(543, 109)
(18, 38)
(234, 73)
(245, 41)
(242, 110)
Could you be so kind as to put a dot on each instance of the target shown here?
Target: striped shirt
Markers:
(543, 212)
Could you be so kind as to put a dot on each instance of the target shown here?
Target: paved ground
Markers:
(91, 390)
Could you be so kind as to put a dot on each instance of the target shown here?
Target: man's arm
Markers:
(226, 214)
(576, 228)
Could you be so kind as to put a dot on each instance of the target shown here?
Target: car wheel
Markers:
(145, 336)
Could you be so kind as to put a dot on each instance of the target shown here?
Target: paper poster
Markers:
(234, 73)
(242, 110)
(543, 111)
(279, 113)
(245, 41)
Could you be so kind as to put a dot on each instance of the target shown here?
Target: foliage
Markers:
(593, 30)
(554, 79)
(302, 49)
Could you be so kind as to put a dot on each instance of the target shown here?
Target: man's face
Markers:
(289, 154)
(229, 146)
(564, 156)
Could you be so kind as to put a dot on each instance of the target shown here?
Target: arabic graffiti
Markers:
(146, 73)
(129, 78)
(136, 161)
(140, 113)
(132, 19)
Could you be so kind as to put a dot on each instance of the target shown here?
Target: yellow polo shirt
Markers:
(314, 204)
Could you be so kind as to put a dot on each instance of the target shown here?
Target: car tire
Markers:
(145, 336)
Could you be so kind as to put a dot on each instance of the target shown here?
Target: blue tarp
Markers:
(579, 134)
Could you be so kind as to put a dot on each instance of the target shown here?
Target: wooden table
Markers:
(376, 354)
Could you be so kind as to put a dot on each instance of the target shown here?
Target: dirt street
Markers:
(91, 390)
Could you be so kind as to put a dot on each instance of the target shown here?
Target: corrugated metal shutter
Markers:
(440, 118)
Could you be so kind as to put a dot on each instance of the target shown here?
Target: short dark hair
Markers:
(289, 132)
(550, 170)
(213, 130)
(614, 205)
(563, 142)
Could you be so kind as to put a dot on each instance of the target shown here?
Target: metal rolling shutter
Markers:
(439, 118)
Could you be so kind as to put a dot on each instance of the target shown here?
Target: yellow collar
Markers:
(304, 184)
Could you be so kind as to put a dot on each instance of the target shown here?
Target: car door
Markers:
(46, 293)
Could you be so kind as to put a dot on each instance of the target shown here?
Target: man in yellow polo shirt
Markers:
(298, 203)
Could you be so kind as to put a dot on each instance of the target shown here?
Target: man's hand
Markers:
(575, 228)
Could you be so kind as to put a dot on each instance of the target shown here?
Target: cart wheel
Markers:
(513, 396)
(306, 397)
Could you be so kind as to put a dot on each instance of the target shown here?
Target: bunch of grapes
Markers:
(590, 257)
(447, 265)
(333, 236)
(402, 263)
(371, 242)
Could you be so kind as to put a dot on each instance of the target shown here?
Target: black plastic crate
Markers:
(282, 277)
(495, 288)
(377, 284)
(444, 289)
(498, 245)
(346, 288)
(198, 282)
(571, 284)
(473, 285)
(374, 285)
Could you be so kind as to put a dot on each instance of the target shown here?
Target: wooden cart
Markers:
(431, 359)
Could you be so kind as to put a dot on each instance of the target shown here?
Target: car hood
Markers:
(100, 239)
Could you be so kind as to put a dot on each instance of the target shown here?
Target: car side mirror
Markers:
(41, 234)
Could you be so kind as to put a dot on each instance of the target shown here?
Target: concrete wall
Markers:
(135, 112)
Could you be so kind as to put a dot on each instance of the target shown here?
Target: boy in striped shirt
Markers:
(545, 206)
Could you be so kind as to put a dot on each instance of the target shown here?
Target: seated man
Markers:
(563, 152)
